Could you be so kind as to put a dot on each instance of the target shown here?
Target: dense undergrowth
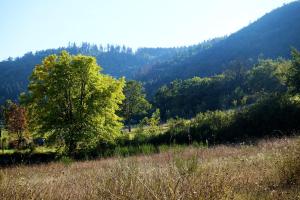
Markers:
(275, 116)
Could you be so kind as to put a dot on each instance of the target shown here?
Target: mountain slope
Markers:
(271, 36)
(115, 60)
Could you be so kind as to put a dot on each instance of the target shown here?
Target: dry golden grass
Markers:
(268, 170)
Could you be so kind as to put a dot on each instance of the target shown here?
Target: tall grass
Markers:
(267, 170)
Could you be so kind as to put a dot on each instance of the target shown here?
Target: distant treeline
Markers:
(115, 60)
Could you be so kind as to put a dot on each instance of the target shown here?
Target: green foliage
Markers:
(178, 125)
(70, 100)
(130, 150)
(153, 122)
(189, 97)
(205, 127)
(209, 125)
(5, 139)
(135, 102)
(268, 76)
(66, 160)
(148, 127)
(235, 88)
(294, 76)
(273, 115)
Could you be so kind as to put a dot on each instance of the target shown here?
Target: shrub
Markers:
(177, 126)
(66, 160)
(273, 116)
(144, 149)
(212, 125)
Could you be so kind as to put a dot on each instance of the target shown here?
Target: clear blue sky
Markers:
(30, 25)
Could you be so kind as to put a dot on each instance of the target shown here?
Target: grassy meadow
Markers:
(269, 169)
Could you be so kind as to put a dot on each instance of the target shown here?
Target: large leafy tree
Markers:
(135, 102)
(70, 100)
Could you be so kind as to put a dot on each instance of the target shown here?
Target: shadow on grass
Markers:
(18, 158)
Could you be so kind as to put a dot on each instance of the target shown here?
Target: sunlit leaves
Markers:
(70, 99)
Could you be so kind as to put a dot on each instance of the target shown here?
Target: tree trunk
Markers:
(129, 126)
(71, 145)
(19, 140)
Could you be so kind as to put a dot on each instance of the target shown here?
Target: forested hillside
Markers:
(271, 36)
(115, 60)
(232, 89)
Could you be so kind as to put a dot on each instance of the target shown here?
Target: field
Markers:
(269, 169)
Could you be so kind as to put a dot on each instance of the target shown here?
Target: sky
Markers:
(31, 25)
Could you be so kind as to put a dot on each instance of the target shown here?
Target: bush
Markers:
(212, 125)
(145, 149)
(273, 116)
(176, 134)
(177, 126)
(204, 128)
(276, 115)
(66, 160)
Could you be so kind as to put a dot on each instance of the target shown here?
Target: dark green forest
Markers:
(235, 88)
(116, 60)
